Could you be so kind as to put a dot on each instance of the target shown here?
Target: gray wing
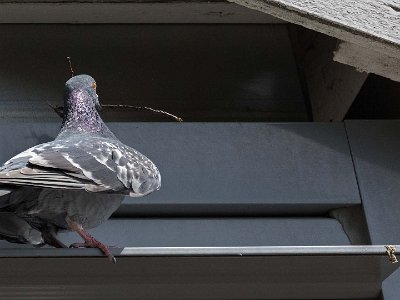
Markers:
(19, 172)
(93, 164)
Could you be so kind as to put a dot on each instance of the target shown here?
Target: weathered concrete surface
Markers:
(368, 60)
(331, 87)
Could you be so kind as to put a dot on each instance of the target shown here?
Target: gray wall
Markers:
(375, 147)
(228, 168)
(200, 72)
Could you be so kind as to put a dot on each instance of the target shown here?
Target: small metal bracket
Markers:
(390, 250)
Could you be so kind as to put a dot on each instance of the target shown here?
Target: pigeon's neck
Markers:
(82, 117)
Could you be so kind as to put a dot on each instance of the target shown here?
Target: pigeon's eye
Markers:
(94, 85)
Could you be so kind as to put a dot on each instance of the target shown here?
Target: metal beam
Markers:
(129, 12)
(197, 273)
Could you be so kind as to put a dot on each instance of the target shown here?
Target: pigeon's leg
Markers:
(83, 245)
(51, 240)
(90, 242)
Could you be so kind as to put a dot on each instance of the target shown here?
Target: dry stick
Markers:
(143, 108)
(59, 109)
(70, 66)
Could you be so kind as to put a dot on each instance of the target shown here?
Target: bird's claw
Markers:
(95, 244)
(90, 241)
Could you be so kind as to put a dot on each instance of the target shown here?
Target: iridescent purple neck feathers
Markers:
(80, 108)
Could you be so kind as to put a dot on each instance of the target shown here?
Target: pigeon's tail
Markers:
(148, 186)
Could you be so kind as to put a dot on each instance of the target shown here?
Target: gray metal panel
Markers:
(197, 273)
(271, 168)
(376, 146)
(237, 168)
(212, 232)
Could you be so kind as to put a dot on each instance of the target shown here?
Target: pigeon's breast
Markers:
(88, 209)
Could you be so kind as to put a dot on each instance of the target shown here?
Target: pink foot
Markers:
(90, 241)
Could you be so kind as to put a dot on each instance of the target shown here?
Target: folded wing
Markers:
(96, 164)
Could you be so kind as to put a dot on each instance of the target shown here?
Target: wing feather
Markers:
(93, 164)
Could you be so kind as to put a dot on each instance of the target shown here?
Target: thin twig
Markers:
(70, 66)
(59, 109)
(143, 108)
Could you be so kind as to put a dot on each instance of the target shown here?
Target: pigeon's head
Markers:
(85, 87)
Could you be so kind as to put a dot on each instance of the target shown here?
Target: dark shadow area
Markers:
(379, 98)
(198, 72)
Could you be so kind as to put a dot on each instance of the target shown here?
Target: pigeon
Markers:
(74, 182)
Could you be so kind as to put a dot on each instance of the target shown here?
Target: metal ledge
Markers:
(325, 272)
(376, 250)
